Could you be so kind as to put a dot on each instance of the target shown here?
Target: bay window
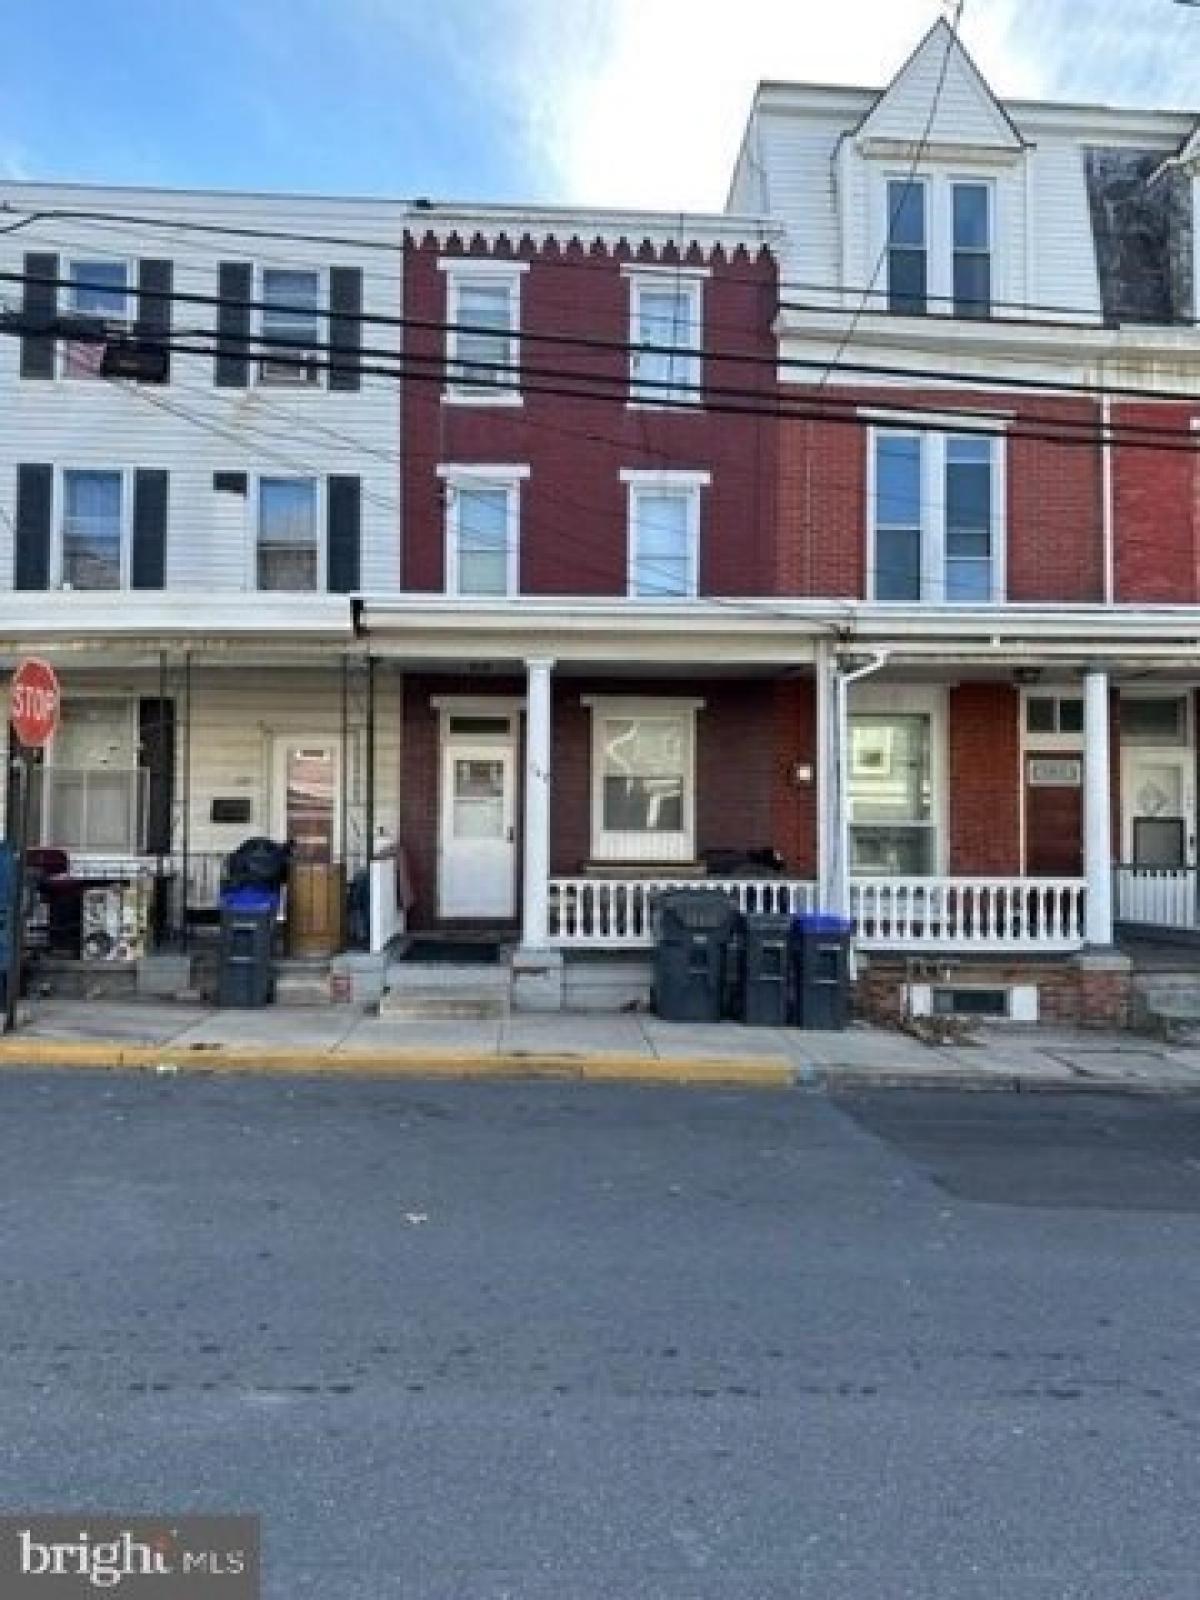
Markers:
(643, 781)
(937, 521)
(890, 791)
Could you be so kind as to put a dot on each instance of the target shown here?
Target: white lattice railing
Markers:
(618, 913)
(968, 914)
(1156, 897)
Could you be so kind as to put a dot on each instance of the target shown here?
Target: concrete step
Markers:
(443, 1005)
(302, 988)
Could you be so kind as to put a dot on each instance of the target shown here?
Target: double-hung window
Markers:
(908, 245)
(664, 533)
(971, 221)
(99, 290)
(643, 780)
(937, 518)
(483, 348)
(939, 242)
(291, 326)
(666, 338)
(289, 543)
(92, 530)
(91, 794)
(483, 512)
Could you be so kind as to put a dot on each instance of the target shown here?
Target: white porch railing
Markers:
(1157, 897)
(618, 913)
(968, 915)
(932, 915)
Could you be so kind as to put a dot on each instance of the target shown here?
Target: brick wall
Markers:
(1072, 991)
(574, 505)
(1156, 498)
(984, 782)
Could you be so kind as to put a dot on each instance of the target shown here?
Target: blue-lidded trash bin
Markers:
(821, 970)
(246, 974)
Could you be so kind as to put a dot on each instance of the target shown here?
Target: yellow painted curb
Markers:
(765, 1072)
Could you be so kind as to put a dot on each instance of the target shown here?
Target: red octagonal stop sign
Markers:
(33, 702)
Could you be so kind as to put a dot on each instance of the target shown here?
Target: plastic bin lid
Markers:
(821, 922)
(698, 909)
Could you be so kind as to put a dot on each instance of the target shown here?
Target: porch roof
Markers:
(88, 620)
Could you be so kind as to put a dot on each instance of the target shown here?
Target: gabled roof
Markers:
(967, 112)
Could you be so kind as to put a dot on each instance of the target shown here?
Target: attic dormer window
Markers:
(940, 245)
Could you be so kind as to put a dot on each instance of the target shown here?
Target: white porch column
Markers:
(824, 774)
(536, 838)
(1097, 810)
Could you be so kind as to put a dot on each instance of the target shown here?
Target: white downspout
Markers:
(1106, 509)
(839, 874)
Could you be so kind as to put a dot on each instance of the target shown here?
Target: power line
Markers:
(596, 343)
(902, 416)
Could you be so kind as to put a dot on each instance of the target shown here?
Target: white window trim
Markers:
(939, 234)
(253, 500)
(320, 382)
(686, 279)
(71, 260)
(638, 480)
(933, 515)
(460, 271)
(58, 512)
(908, 700)
(680, 847)
(483, 476)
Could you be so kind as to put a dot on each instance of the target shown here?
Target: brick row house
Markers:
(840, 548)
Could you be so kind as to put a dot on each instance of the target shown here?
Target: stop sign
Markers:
(33, 702)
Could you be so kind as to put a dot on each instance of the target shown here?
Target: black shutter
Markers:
(149, 563)
(31, 558)
(155, 279)
(345, 328)
(40, 307)
(344, 535)
(156, 753)
(235, 284)
(230, 483)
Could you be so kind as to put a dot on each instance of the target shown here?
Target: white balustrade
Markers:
(618, 913)
(968, 914)
(1157, 897)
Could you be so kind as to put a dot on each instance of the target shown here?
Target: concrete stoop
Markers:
(446, 991)
(1167, 1005)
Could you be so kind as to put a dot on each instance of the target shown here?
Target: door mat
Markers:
(458, 952)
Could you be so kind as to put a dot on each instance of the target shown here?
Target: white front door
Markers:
(1158, 800)
(477, 856)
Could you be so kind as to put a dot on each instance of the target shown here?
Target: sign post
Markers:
(34, 701)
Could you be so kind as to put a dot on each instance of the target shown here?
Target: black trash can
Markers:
(246, 973)
(821, 970)
(766, 970)
(694, 929)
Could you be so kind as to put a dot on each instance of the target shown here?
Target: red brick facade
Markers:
(1156, 502)
(983, 778)
(574, 512)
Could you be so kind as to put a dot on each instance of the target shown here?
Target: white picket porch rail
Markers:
(618, 913)
(1157, 897)
(968, 915)
(964, 915)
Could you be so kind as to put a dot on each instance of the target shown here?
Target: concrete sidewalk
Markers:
(633, 1047)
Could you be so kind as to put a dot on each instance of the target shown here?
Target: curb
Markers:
(755, 1072)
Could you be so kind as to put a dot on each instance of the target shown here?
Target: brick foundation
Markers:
(1087, 991)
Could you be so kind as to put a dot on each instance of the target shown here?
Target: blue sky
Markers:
(634, 102)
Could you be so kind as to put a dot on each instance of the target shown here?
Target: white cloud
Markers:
(643, 102)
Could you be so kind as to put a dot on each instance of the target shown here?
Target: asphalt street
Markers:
(564, 1342)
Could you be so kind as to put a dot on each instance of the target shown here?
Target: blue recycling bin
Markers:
(820, 944)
